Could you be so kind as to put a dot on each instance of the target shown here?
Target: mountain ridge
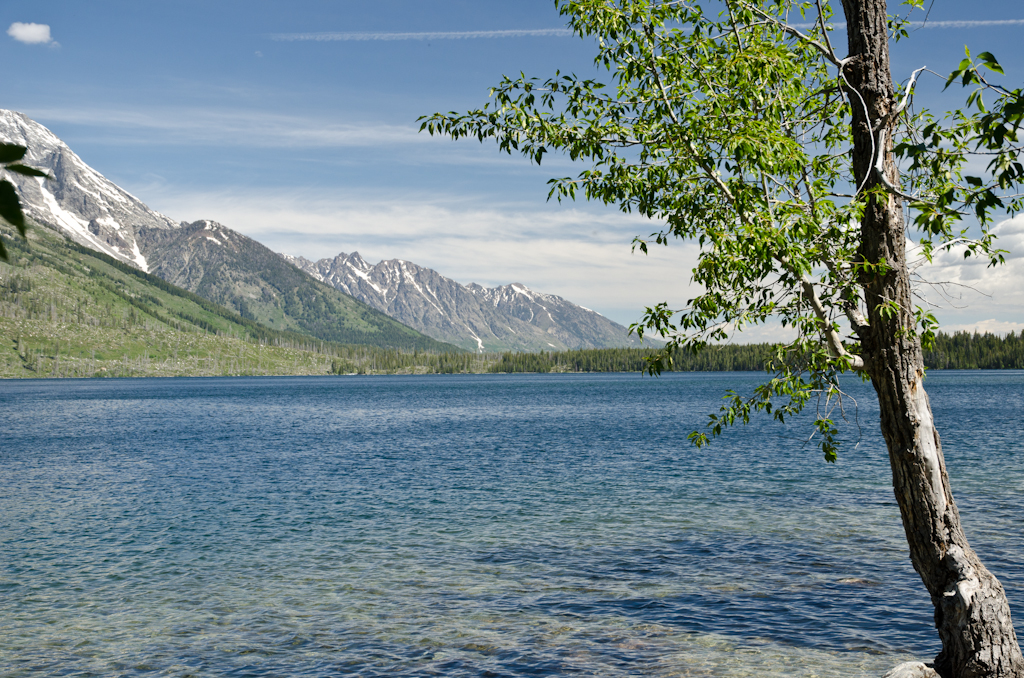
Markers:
(69, 311)
(329, 299)
(473, 317)
(231, 269)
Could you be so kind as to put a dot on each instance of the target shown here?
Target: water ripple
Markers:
(469, 526)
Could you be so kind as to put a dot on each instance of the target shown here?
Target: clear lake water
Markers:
(478, 525)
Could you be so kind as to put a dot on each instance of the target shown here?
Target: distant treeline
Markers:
(374, 360)
(967, 351)
(959, 351)
(739, 358)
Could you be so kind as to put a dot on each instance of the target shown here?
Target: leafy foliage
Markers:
(732, 129)
(939, 152)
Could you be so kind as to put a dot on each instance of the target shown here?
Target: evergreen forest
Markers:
(958, 351)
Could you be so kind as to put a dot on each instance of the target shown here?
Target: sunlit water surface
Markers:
(471, 526)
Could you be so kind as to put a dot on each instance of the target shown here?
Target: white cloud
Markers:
(964, 290)
(993, 326)
(583, 256)
(580, 253)
(440, 35)
(31, 34)
(561, 32)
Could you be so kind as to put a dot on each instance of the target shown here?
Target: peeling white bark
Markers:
(835, 342)
(927, 446)
(912, 670)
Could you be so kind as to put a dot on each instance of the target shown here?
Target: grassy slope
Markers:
(68, 311)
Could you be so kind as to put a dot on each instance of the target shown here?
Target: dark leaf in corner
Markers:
(11, 152)
(10, 207)
(27, 171)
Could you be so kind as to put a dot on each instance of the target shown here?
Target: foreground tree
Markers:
(751, 135)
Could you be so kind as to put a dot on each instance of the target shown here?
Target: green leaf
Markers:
(10, 206)
(11, 152)
(27, 171)
(735, 138)
(990, 62)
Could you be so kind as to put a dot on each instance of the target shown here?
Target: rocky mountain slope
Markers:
(235, 271)
(67, 310)
(228, 268)
(510, 317)
(78, 201)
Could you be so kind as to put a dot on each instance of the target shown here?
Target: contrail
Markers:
(451, 35)
(970, 24)
(841, 25)
(565, 32)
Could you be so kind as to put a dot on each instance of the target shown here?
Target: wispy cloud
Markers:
(579, 252)
(228, 127)
(915, 25)
(969, 24)
(440, 35)
(31, 34)
(961, 289)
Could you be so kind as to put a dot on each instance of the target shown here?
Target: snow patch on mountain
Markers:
(207, 257)
(77, 199)
(509, 317)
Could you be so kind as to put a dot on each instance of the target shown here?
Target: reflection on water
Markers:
(469, 526)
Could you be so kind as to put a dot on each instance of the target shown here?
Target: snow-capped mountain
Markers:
(510, 317)
(235, 271)
(228, 268)
(79, 201)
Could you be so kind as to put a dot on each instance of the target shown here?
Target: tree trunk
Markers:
(971, 612)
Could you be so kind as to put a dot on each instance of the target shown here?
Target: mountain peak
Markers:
(79, 201)
(474, 317)
(227, 267)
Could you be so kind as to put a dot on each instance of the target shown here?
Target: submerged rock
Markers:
(912, 670)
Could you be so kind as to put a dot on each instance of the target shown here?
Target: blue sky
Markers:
(216, 109)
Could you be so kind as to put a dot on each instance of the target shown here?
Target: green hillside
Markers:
(68, 311)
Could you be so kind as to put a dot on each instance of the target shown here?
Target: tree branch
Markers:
(786, 28)
(688, 144)
(835, 342)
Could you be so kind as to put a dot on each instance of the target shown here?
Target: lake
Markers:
(478, 525)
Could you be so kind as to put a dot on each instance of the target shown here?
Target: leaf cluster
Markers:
(941, 153)
(727, 125)
(10, 207)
